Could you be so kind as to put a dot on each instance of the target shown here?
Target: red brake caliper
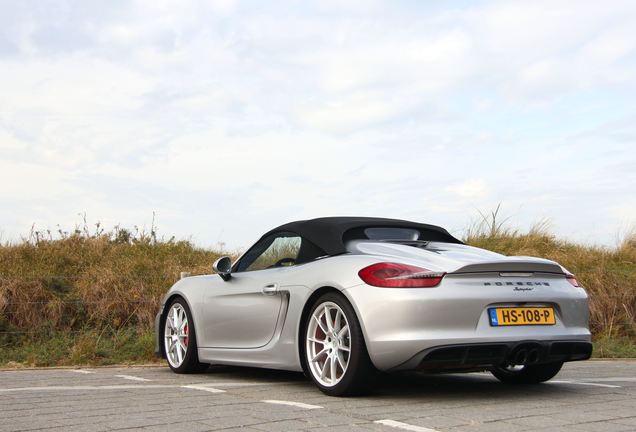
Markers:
(186, 332)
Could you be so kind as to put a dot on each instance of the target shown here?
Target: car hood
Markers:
(453, 258)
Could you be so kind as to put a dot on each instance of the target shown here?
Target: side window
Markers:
(280, 249)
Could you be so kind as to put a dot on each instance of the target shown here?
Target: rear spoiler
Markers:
(511, 266)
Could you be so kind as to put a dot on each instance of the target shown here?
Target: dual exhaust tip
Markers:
(526, 354)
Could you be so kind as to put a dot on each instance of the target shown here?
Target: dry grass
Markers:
(93, 296)
(608, 275)
(113, 279)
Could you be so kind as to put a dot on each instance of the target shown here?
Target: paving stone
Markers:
(436, 422)
(351, 427)
(447, 403)
(329, 419)
(544, 421)
(283, 425)
(179, 427)
(595, 427)
(80, 428)
(229, 422)
(629, 421)
(499, 426)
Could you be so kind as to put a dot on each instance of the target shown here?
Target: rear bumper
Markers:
(484, 355)
(402, 326)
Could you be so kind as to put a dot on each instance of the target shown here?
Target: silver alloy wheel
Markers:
(176, 335)
(328, 344)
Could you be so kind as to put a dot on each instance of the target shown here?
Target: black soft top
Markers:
(331, 233)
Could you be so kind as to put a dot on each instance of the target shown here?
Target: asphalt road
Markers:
(585, 396)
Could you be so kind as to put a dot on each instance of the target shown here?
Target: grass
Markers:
(82, 281)
(88, 347)
(607, 274)
(89, 297)
(614, 347)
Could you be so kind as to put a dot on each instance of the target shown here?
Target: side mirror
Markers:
(223, 266)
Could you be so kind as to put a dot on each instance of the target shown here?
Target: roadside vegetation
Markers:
(89, 296)
(607, 274)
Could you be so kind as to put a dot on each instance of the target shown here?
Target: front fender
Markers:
(184, 288)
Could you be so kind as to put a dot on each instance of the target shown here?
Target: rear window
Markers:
(397, 233)
(391, 233)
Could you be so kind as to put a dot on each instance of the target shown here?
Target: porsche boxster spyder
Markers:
(340, 298)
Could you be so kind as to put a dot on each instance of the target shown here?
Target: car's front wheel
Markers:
(179, 339)
(528, 374)
(335, 354)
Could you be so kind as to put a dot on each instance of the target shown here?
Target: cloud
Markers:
(545, 50)
(475, 189)
(9, 142)
(229, 112)
(35, 182)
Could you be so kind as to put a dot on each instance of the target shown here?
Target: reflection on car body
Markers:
(343, 297)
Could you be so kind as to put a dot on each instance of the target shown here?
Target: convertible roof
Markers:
(328, 233)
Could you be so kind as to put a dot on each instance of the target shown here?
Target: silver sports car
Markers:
(343, 297)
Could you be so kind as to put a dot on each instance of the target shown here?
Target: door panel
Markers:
(242, 312)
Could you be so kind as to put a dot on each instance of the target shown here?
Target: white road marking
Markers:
(204, 388)
(82, 371)
(209, 387)
(612, 379)
(585, 384)
(132, 378)
(231, 384)
(405, 426)
(291, 403)
(75, 388)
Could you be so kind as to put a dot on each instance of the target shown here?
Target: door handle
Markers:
(270, 289)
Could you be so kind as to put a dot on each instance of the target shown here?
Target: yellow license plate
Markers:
(521, 316)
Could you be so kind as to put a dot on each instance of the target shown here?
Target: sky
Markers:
(224, 119)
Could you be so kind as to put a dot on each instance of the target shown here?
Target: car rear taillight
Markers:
(572, 280)
(393, 275)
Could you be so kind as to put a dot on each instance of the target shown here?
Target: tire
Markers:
(179, 339)
(335, 355)
(529, 374)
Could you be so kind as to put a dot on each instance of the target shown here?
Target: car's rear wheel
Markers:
(179, 339)
(335, 354)
(528, 374)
